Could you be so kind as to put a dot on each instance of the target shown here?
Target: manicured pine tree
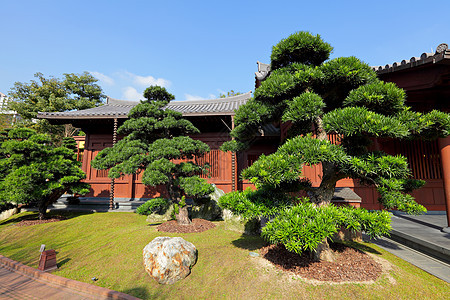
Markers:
(34, 172)
(155, 138)
(319, 96)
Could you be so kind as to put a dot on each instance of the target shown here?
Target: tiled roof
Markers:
(115, 108)
(442, 53)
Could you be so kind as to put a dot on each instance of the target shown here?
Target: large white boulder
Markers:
(169, 259)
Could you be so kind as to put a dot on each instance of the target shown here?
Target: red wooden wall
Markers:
(130, 186)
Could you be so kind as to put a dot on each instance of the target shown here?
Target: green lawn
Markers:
(109, 247)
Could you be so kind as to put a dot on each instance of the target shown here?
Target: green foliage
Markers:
(231, 93)
(305, 226)
(234, 146)
(195, 186)
(177, 206)
(340, 76)
(155, 205)
(73, 92)
(158, 93)
(35, 172)
(380, 97)
(391, 176)
(351, 121)
(305, 107)
(156, 140)
(255, 204)
(274, 170)
(300, 47)
(426, 126)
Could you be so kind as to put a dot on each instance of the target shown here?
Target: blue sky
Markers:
(199, 49)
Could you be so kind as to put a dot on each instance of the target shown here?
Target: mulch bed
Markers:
(36, 222)
(350, 264)
(197, 225)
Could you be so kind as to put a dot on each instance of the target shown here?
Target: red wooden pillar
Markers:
(233, 163)
(111, 191)
(444, 147)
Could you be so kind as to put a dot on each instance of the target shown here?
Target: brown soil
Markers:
(197, 225)
(36, 222)
(350, 264)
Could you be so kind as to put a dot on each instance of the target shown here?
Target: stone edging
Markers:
(58, 280)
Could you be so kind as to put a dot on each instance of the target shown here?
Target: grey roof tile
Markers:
(115, 108)
(442, 53)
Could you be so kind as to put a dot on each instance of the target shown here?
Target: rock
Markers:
(169, 259)
(8, 213)
(345, 234)
(208, 208)
(237, 223)
(161, 218)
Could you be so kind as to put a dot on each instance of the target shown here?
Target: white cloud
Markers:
(212, 96)
(130, 93)
(103, 78)
(146, 81)
(193, 97)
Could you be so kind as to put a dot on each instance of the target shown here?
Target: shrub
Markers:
(155, 205)
(305, 226)
(254, 204)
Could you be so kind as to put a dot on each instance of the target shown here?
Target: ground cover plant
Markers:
(109, 247)
(318, 96)
(157, 142)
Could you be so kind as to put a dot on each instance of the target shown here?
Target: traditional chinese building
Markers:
(214, 119)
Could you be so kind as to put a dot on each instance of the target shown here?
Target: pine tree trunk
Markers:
(48, 201)
(183, 216)
(324, 193)
(42, 210)
(324, 252)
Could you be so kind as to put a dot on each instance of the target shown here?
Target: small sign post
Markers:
(47, 260)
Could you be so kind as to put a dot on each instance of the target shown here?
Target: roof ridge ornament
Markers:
(441, 48)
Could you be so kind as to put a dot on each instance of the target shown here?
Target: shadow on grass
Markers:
(362, 247)
(33, 215)
(143, 293)
(249, 242)
(62, 262)
(154, 224)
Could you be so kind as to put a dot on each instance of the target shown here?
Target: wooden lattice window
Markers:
(102, 173)
(213, 159)
(423, 158)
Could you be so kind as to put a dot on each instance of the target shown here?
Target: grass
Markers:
(109, 247)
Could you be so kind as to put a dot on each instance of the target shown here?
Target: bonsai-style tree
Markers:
(156, 138)
(35, 172)
(318, 96)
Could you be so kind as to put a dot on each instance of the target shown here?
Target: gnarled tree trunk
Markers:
(323, 195)
(42, 207)
(183, 216)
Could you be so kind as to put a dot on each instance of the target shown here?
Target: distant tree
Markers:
(320, 96)
(74, 92)
(36, 173)
(231, 93)
(156, 138)
(6, 121)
